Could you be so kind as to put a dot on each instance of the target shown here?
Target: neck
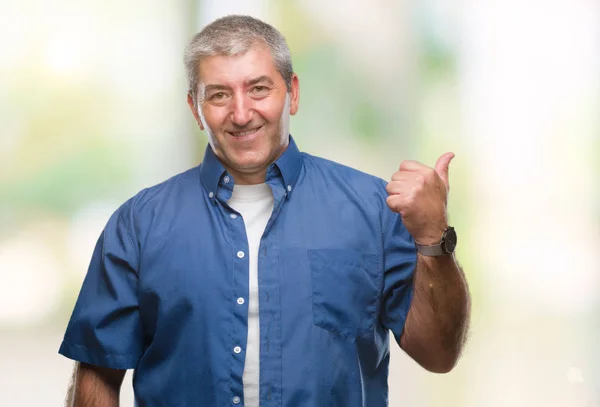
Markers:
(253, 178)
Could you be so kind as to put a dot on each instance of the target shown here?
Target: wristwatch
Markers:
(446, 245)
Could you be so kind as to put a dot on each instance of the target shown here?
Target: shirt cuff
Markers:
(83, 354)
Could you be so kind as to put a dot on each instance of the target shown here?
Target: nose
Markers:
(241, 114)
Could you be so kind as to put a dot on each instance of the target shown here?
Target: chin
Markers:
(253, 158)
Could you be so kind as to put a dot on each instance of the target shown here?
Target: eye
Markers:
(259, 89)
(218, 96)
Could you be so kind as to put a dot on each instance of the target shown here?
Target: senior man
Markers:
(266, 276)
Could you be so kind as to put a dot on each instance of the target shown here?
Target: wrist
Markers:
(431, 236)
(446, 244)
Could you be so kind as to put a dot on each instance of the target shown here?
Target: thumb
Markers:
(441, 167)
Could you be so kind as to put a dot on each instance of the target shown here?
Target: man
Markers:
(266, 276)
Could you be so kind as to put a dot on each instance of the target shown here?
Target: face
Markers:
(244, 107)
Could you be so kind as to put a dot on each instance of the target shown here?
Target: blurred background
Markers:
(93, 109)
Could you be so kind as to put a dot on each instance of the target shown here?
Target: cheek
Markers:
(214, 117)
(270, 111)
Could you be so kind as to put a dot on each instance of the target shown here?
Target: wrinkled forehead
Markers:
(233, 71)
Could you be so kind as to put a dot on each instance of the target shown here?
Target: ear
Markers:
(190, 102)
(294, 94)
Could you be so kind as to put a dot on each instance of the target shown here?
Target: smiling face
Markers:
(244, 106)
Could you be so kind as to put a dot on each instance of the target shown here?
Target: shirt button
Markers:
(240, 254)
(210, 194)
(236, 400)
(237, 349)
(240, 300)
(226, 179)
(232, 215)
(289, 188)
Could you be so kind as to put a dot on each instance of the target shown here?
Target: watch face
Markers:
(450, 240)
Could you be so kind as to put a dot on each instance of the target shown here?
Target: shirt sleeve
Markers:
(399, 260)
(105, 327)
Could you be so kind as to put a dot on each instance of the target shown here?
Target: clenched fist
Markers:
(419, 194)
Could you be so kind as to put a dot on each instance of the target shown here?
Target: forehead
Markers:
(232, 70)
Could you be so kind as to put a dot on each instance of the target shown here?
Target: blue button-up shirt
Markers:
(335, 275)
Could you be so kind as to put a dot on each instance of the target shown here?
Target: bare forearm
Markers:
(92, 386)
(438, 320)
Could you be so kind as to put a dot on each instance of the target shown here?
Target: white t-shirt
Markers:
(255, 204)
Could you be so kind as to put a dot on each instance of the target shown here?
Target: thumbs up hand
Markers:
(419, 194)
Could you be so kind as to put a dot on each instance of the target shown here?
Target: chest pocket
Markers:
(345, 290)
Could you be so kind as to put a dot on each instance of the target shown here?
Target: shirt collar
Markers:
(289, 164)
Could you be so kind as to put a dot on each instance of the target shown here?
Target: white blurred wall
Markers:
(519, 107)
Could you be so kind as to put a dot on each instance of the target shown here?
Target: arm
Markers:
(438, 319)
(94, 386)
(105, 329)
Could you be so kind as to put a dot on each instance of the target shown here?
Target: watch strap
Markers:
(434, 250)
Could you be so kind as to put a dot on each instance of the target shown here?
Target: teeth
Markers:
(244, 133)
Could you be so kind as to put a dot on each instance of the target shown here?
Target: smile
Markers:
(245, 133)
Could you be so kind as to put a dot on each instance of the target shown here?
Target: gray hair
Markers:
(233, 35)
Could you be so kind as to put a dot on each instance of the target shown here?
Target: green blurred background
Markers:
(93, 109)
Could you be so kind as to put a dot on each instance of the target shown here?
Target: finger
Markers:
(397, 187)
(410, 165)
(396, 202)
(404, 175)
(441, 167)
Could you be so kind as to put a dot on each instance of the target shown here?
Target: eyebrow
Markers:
(211, 87)
(263, 78)
(249, 82)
